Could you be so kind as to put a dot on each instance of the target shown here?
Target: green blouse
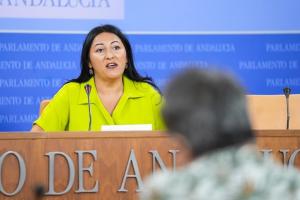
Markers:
(68, 109)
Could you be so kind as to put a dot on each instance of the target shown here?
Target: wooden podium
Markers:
(283, 145)
(104, 165)
(85, 166)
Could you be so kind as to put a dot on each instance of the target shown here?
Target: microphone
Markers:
(88, 89)
(39, 191)
(287, 92)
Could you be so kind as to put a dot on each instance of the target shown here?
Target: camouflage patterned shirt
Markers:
(226, 174)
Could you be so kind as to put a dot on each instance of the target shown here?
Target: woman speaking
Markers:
(108, 91)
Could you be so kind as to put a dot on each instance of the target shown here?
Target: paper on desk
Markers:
(127, 127)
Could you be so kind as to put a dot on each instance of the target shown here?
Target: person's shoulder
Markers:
(141, 87)
(169, 184)
(157, 184)
(146, 87)
(69, 88)
(71, 85)
(149, 91)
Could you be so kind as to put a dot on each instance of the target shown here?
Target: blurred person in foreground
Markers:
(208, 110)
(118, 94)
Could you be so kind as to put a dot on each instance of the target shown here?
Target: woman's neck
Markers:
(106, 87)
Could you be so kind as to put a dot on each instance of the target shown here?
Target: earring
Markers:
(91, 71)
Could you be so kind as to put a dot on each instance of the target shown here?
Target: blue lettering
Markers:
(51, 1)
(62, 3)
(105, 1)
(85, 6)
(57, 3)
(36, 2)
(8, 3)
(70, 4)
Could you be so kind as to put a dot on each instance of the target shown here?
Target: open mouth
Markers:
(111, 65)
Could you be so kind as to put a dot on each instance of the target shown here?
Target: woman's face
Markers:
(108, 56)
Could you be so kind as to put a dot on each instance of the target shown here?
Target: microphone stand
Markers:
(287, 92)
(88, 89)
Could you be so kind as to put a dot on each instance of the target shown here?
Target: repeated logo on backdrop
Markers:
(34, 66)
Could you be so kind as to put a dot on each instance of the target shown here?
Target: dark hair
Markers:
(208, 108)
(129, 72)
